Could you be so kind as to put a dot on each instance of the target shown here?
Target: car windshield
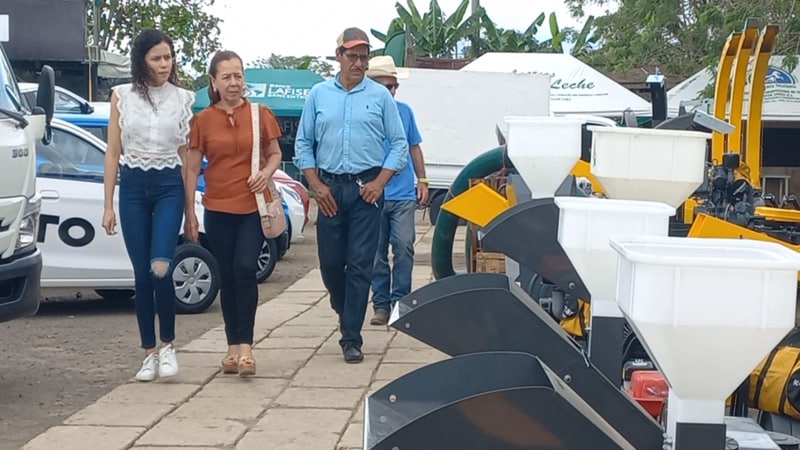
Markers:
(9, 94)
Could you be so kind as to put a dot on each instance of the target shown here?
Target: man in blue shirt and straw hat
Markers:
(401, 196)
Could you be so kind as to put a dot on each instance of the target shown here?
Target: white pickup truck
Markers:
(20, 259)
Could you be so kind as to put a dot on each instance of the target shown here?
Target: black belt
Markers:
(364, 176)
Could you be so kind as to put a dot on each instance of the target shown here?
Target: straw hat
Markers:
(383, 66)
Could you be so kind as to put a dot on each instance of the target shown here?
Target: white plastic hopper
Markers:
(585, 225)
(648, 164)
(543, 149)
(707, 311)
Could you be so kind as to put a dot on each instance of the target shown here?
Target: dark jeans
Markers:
(347, 243)
(235, 241)
(390, 284)
(150, 216)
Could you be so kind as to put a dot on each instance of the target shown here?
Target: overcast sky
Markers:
(256, 28)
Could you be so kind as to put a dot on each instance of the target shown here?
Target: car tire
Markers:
(267, 260)
(196, 277)
(115, 294)
(435, 205)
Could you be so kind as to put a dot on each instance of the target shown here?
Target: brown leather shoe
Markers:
(381, 317)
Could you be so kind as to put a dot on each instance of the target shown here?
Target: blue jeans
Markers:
(346, 244)
(150, 215)
(397, 230)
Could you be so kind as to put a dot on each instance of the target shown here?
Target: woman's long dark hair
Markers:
(140, 73)
(222, 55)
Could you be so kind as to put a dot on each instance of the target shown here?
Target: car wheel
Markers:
(115, 294)
(196, 278)
(267, 260)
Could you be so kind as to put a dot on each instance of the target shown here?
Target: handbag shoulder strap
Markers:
(255, 157)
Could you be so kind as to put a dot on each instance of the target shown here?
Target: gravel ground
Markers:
(75, 351)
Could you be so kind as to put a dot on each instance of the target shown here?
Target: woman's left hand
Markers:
(257, 182)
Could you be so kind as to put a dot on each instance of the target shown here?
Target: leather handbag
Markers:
(273, 221)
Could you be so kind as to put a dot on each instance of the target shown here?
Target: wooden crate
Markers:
(490, 262)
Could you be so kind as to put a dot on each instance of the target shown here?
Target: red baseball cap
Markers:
(352, 37)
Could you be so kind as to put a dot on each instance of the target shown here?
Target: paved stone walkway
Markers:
(303, 397)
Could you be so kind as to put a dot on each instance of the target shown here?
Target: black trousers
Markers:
(235, 241)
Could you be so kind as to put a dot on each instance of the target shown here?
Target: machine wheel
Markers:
(435, 205)
(196, 278)
(267, 260)
(115, 294)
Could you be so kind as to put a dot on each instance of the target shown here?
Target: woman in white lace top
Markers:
(147, 136)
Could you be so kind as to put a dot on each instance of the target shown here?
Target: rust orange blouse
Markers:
(227, 142)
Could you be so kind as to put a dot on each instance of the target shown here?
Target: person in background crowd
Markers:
(223, 132)
(147, 134)
(400, 199)
(340, 149)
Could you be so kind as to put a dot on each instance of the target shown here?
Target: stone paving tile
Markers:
(332, 371)
(198, 359)
(279, 362)
(308, 397)
(272, 342)
(234, 408)
(190, 375)
(194, 431)
(413, 355)
(300, 420)
(226, 387)
(85, 438)
(298, 298)
(304, 330)
(150, 393)
(402, 340)
(205, 346)
(178, 448)
(358, 416)
(311, 282)
(392, 371)
(122, 414)
(288, 440)
(353, 437)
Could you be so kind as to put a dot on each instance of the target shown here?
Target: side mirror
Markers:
(86, 108)
(45, 99)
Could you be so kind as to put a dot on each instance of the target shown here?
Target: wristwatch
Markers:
(422, 180)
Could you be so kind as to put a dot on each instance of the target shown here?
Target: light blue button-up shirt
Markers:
(348, 129)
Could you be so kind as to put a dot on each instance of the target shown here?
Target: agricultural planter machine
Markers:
(702, 306)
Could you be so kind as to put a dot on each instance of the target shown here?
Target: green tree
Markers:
(681, 37)
(294, 62)
(195, 32)
(433, 33)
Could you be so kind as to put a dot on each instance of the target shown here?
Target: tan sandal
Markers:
(230, 364)
(247, 366)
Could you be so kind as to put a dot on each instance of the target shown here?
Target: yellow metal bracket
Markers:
(739, 81)
(752, 149)
(721, 91)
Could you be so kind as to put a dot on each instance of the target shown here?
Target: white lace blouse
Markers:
(152, 133)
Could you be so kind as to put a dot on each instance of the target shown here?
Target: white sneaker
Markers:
(149, 367)
(167, 362)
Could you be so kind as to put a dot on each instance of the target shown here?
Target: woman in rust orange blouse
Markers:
(223, 133)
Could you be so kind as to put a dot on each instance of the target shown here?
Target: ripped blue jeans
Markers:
(150, 216)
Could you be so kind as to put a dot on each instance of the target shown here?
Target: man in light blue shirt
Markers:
(340, 149)
(401, 195)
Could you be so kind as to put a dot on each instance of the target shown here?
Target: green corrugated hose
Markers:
(446, 224)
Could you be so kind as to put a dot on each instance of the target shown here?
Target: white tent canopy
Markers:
(781, 94)
(112, 65)
(576, 88)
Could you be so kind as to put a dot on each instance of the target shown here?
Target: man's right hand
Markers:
(325, 200)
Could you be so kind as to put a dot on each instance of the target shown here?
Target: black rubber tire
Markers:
(196, 277)
(115, 294)
(267, 260)
(435, 205)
